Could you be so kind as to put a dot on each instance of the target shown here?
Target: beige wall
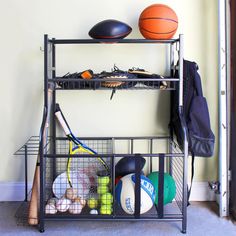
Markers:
(23, 24)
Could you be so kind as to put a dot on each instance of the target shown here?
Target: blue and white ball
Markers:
(125, 194)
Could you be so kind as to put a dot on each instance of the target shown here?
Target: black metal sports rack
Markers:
(161, 152)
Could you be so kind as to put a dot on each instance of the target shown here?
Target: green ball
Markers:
(169, 186)
(107, 199)
(106, 209)
(103, 180)
(101, 189)
(92, 203)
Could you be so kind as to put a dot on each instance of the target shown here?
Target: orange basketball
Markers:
(158, 21)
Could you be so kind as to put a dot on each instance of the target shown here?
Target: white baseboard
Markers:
(15, 191)
(12, 191)
(201, 192)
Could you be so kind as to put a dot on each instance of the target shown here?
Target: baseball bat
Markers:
(34, 201)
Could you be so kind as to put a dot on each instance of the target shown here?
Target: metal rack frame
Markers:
(51, 152)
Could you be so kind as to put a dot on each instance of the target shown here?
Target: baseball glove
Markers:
(141, 73)
(115, 79)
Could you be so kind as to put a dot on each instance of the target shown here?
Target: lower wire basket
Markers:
(78, 186)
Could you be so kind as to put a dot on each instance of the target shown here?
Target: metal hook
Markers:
(42, 49)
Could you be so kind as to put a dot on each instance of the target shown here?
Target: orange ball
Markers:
(158, 21)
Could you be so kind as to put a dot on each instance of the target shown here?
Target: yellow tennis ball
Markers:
(106, 198)
(92, 203)
(102, 189)
(103, 180)
(106, 209)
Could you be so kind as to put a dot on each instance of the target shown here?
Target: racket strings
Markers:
(88, 165)
(83, 148)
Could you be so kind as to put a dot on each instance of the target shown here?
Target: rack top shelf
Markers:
(111, 41)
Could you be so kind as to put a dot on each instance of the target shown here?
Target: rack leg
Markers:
(184, 226)
(161, 186)
(150, 159)
(41, 227)
(112, 167)
(26, 173)
(137, 186)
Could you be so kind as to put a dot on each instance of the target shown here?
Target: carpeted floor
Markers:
(202, 220)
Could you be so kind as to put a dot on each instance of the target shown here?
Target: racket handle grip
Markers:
(62, 122)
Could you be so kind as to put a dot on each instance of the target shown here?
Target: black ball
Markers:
(110, 29)
(126, 165)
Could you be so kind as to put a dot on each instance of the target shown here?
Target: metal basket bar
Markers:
(111, 218)
(96, 79)
(112, 155)
(98, 41)
(119, 138)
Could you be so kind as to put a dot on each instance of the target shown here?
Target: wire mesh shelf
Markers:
(31, 147)
(21, 214)
(119, 84)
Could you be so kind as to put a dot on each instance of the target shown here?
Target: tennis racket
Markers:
(73, 165)
(80, 147)
(34, 201)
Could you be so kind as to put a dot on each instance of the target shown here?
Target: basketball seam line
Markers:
(159, 33)
(159, 18)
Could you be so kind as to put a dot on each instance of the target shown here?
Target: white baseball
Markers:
(83, 202)
(52, 201)
(80, 200)
(50, 209)
(71, 193)
(75, 208)
(77, 199)
(93, 212)
(63, 204)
